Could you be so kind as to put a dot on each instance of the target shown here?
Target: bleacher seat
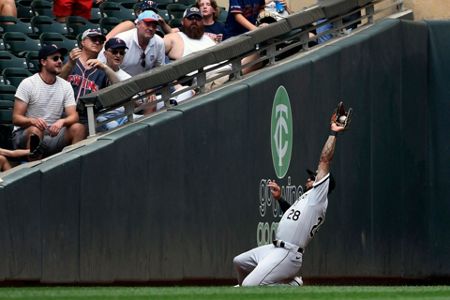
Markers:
(175, 23)
(41, 24)
(2, 45)
(7, 92)
(18, 43)
(108, 23)
(6, 127)
(24, 11)
(16, 26)
(77, 25)
(162, 4)
(164, 13)
(128, 4)
(32, 59)
(96, 15)
(222, 18)
(54, 38)
(176, 10)
(14, 76)
(112, 9)
(187, 2)
(8, 60)
(42, 8)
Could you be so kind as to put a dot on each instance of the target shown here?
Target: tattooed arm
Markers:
(328, 150)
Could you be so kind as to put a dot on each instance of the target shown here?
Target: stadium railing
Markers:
(272, 43)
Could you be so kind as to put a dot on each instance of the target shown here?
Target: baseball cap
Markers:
(115, 43)
(91, 33)
(146, 5)
(192, 11)
(148, 16)
(48, 50)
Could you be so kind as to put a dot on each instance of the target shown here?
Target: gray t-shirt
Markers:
(46, 101)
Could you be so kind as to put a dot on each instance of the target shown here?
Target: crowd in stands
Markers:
(44, 111)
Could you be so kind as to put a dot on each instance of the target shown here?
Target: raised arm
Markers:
(327, 153)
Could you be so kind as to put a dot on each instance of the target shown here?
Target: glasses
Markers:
(97, 39)
(143, 59)
(194, 17)
(115, 52)
(56, 58)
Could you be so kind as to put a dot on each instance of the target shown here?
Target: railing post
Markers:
(91, 119)
(370, 11)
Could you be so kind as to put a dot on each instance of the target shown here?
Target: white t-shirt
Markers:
(46, 101)
(154, 53)
(302, 220)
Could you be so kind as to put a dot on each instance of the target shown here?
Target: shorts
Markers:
(53, 144)
(65, 8)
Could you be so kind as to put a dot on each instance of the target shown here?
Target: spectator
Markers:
(5, 165)
(242, 16)
(138, 9)
(40, 101)
(83, 70)
(64, 8)
(115, 50)
(145, 49)
(210, 11)
(8, 8)
(190, 40)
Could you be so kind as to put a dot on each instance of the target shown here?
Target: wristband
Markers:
(333, 133)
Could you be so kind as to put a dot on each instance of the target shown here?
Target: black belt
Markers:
(281, 244)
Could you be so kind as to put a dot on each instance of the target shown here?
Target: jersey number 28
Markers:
(293, 215)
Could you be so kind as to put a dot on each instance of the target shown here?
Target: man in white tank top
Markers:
(191, 39)
(280, 262)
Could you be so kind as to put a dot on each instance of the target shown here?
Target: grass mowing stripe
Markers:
(228, 293)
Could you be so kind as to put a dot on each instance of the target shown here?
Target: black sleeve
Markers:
(284, 205)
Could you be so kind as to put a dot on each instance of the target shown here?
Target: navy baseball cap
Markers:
(146, 5)
(48, 50)
(115, 43)
(192, 11)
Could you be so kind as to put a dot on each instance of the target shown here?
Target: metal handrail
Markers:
(280, 41)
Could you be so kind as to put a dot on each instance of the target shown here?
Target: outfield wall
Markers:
(177, 196)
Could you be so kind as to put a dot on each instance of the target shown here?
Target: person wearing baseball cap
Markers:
(40, 101)
(145, 49)
(84, 71)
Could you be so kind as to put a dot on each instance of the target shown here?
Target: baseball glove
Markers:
(266, 17)
(341, 117)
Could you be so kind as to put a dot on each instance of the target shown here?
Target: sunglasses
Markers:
(96, 39)
(115, 52)
(194, 17)
(56, 58)
(143, 59)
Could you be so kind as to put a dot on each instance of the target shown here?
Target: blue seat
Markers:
(50, 38)
(108, 23)
(42, 8)
(8, 60)
(14, 25)
(14, 76)
(19, 43)
(41, 24)
(77, 25)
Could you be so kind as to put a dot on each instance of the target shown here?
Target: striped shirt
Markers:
(46, 101)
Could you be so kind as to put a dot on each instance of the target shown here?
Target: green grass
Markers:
(257, 293)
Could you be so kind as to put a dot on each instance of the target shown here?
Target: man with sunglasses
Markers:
(280, 262)
(115, 50)
(145, 48)
(40, 101)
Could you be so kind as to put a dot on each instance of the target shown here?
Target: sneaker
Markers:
(297, 281)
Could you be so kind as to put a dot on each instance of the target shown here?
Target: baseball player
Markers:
(280, 262)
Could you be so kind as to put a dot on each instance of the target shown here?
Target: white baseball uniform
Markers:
(280, 262)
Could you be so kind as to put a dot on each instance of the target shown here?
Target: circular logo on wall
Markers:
(281, 132)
